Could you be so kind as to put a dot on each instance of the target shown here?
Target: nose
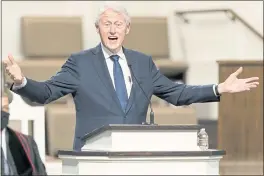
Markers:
(112, 30)
(112, 33)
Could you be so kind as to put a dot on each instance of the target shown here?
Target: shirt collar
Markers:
(108, 53)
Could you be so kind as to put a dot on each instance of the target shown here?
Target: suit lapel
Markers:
(103, 73)
(133, 71)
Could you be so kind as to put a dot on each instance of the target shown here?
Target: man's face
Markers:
(5, 104)
(112, 28)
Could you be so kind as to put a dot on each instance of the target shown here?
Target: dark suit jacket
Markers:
(85, 75)
(25, 154)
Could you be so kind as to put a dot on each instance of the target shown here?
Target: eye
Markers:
(119, 24)
(106, 24)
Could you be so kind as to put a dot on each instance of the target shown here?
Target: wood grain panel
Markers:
(240, 121)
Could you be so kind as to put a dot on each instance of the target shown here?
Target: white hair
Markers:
(115, 7)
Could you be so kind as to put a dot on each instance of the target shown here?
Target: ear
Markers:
(127, 29)
(97, 28)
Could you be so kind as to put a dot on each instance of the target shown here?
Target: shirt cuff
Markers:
(214, 90)
(16, 87)
(215, 87)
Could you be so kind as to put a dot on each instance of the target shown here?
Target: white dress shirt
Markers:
(3, 144)
(123, 64)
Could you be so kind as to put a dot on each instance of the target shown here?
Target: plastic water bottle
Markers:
(203, 139)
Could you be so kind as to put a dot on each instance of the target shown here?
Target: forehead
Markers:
(111, 15)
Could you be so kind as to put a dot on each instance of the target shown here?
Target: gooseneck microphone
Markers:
(151, 116)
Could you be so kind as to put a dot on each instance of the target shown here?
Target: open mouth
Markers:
(113, 38)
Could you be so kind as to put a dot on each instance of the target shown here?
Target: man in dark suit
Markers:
(19, 152)
(109, 83)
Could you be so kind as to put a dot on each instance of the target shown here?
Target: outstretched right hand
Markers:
(13, 70)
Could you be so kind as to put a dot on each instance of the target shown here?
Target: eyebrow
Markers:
(107, 21)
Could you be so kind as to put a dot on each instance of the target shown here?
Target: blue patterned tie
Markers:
(120, 85)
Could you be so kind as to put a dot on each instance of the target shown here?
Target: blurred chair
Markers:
(150, 36)
(50, 37)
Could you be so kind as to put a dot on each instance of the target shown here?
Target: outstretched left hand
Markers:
(232, 84)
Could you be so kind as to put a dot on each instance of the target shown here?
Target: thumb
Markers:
(236, 73)
(11, 59)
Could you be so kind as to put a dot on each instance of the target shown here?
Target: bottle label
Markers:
(203, 142)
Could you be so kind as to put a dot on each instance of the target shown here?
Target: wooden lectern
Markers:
(141, 150)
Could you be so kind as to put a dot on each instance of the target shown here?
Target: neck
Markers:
(112, 51)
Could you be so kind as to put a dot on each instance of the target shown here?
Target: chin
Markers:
(114, 47)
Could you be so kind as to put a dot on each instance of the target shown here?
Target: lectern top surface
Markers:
(144, 153)
(128, 127)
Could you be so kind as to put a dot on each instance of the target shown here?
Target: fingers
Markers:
(7, 62)
(8, 72)
(13, 70)
(251, 79)
(251, 85)
(11, 59)
(11, 76)
(236, 73)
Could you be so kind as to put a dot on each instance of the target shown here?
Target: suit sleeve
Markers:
(64, 82)
(180, 94)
